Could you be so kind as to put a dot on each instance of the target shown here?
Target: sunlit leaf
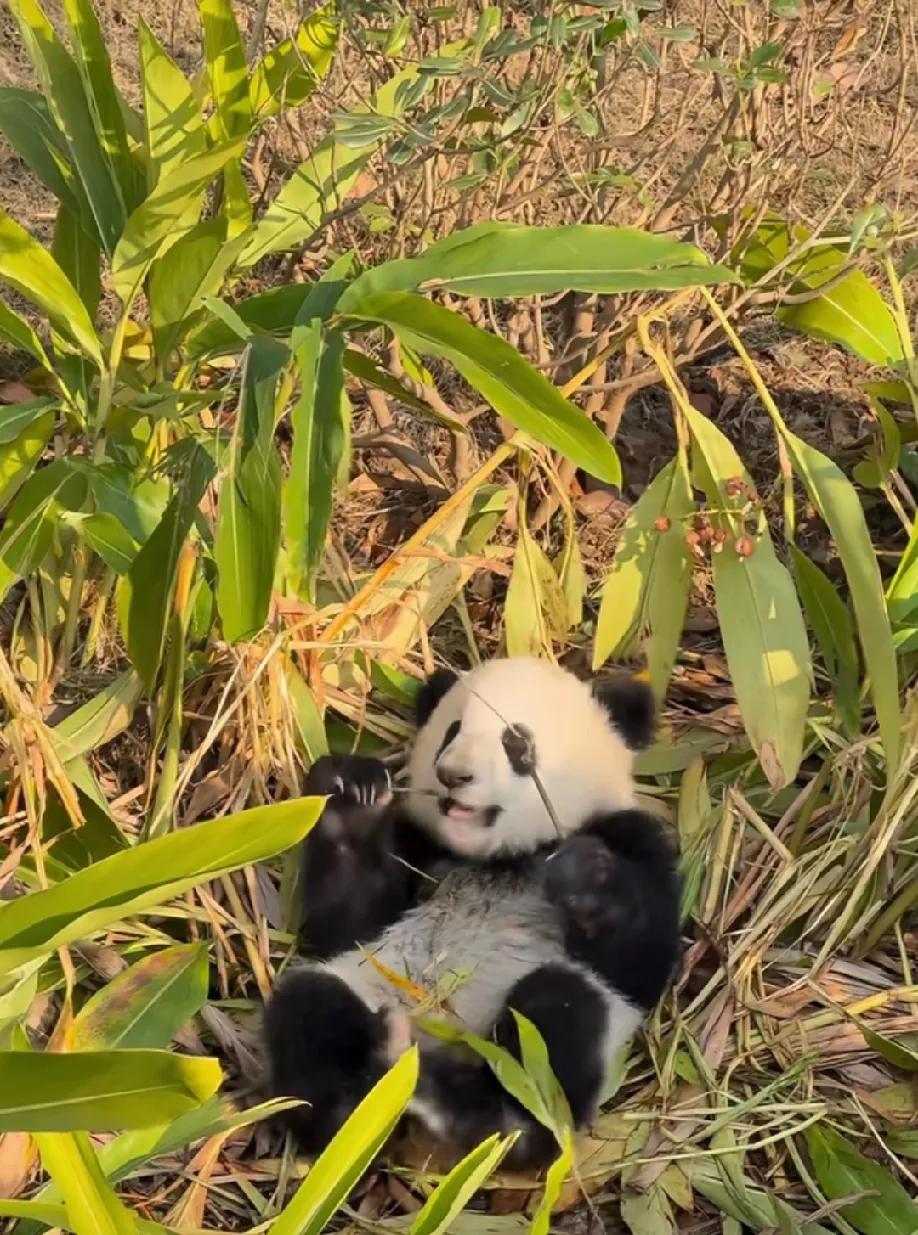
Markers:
(92, 1206)
(843, 1171)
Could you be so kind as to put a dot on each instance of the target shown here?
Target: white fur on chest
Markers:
(473, 939)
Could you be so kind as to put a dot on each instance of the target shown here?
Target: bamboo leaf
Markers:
(247, 538)
(318, 441)
(107, 537)
(455, 1190)
(31, 269)
(192, 269)
(842, 1171)
(499, 373)
(92, 1207)
(761, 623)
(174, 127)
(831, 623)
(63, 88)
(16, 331)
(27, 124)
(506, 259)
(837, 502)
(146, 1004)
(146, 875)
(100, 1091)
(18, 458)
(105, 102)
(145, 593)
(153, 225)
(29, 525)
(226, 69)
(554, 1181)
(15, 418)
(535, 610)
(645, 593)
(337, 1170)
(324, 179)
(289, 72)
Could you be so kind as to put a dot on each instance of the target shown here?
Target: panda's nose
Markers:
(449, 778)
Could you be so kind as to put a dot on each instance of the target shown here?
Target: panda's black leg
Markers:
(324, 1047)
(616, 886)
(462, 1100)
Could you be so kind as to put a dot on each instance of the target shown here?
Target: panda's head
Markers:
(475, 795)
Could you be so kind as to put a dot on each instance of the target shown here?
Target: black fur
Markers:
(431, 693)
(632, 709)
(326, 1048)
(616, 882)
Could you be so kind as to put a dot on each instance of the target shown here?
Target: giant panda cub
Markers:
(467, 879)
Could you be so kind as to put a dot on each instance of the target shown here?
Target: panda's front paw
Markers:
(350, 781)
(580, 878)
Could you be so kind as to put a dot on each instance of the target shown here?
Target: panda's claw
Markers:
(350, 781)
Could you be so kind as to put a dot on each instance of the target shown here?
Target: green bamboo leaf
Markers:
(17, 331)
(843, 1171)
(506, 259)
(339, 1167)
(145, 876)
(247, 538)
(105, 101)
(497, 371)
(63, 89)
(318, 441)
(100, 1091)
(535, 609)
(92, 1207)
(146, 1004)
(192, 269)
(145, 593)
(30, 523)
(36, 275)
(289, 72)
(831, 623)
(837, 502)
(554, 1181)
(100, 719)
(107, 537)
(43, 1214)
(153, 225)
(645, 593)
(18, 458)
(534, 1058)
(455, 1190)
(77, 254)
(15, 418)
(322, 181)
(226, 69)
(851, 313)
(760, 619)
(902, 593)
(174, 126)
(27, 124)
(736, 1196)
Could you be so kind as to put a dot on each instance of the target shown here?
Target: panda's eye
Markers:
(451, 731)
(520, 749)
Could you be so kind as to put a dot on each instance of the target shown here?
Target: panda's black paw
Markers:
(581, 878)
(350, 781)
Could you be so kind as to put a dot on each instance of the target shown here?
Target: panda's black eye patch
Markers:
(451, 732)
(519, 749)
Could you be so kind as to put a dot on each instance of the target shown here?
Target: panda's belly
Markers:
(475, 937)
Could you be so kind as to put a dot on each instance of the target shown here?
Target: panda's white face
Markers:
(470, 797)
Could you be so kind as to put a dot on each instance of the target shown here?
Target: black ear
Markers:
(431, 693)
(631, 707)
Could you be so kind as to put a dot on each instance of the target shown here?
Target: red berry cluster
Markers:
(704, 537)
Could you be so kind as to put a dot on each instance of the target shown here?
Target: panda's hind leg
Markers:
(463, 1102)
(325, 1047)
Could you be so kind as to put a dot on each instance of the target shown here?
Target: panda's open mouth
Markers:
(459, 812)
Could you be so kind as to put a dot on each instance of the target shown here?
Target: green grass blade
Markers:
(454, 1191)
(92, 1206)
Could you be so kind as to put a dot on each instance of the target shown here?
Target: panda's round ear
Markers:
(431, 693)
(631, 708)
